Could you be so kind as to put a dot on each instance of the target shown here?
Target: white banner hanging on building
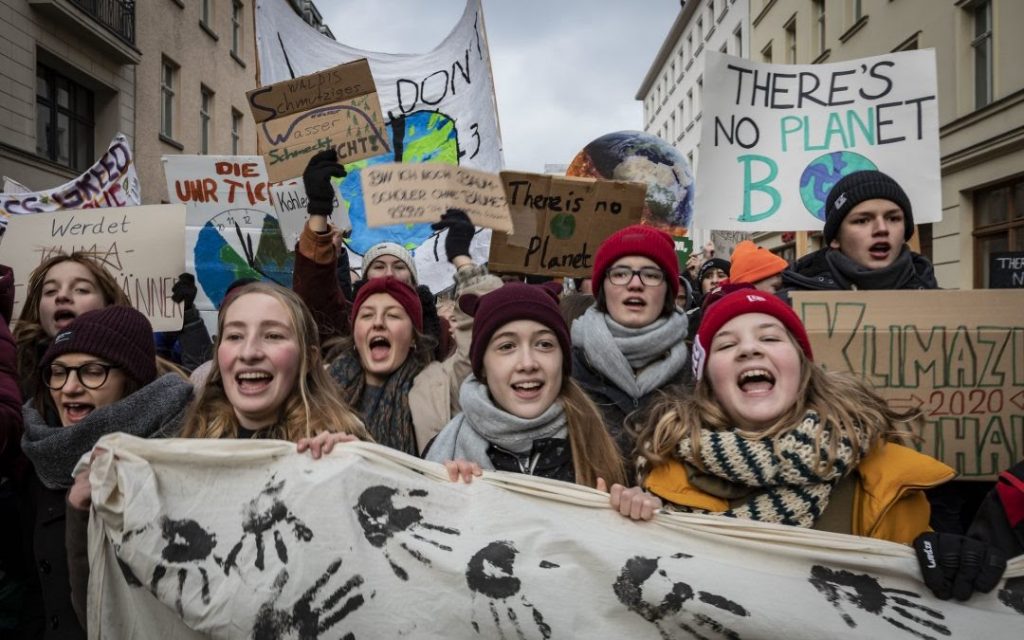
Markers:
(440, 106)
(110, 182)
(231, 539)
(775, 138)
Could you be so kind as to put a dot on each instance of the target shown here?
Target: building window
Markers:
(168, 81)
(700, 29)
(205, 109)
(689, 44)
(790, 29)
(858, 10)
(236, 28)
(673, 131)
(982, 45)
(236, 131)
(689, 102)
(998, 224)
(205, 16)
(819, 24)
(737, 35)
(700, 94)
(766, 53)
(65, 120)
(724, 48)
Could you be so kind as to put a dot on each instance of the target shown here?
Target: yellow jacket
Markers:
(888, 503)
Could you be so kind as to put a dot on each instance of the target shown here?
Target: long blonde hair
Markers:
(28, 331)
(843, 402)
(313, 406)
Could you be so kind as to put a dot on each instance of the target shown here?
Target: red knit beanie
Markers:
(751, 263)
(639, 240)
(739, 303)
(514, 301)
(400, 291)
(117, 334)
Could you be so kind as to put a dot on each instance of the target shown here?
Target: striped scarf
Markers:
(788, 485)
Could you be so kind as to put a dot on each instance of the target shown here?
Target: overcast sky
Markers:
(565, 71)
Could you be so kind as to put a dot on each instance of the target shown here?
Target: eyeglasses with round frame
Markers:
(91, 375)
(649, 276)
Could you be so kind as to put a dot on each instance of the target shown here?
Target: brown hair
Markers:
(842, 401)
(28, 331)
(313, 406)
(594, 454)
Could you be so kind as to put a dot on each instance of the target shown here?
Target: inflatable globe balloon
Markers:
(641, 157)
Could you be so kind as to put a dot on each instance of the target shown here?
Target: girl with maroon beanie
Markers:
(521, 410)
(632, 341)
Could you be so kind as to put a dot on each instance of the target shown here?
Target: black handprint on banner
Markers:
(490, 574)
(188, 546)
(895, 606)
(1012, 594)
(265, 513)
(382, 522)
(314, 613)
(641, 582)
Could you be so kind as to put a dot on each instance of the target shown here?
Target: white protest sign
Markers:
(775, 138)
(232, 230)
(110, 182)
(290, 201)
(138, 245)
(246, 538)
(397, 193)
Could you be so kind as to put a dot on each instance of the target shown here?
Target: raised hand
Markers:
(185, 290)
(316, 177)
(387, 525)
(460, 232)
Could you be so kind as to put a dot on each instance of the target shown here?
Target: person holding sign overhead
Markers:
(868, 222)
(632, 342)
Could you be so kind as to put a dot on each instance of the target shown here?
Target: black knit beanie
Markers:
(712, 263)
(857, 187)
(119, 335)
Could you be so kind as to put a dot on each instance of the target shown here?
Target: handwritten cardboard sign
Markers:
(777, 137)
(955, 356)
(337, 108)
(140, 246)
(397, 193)
(559, 221)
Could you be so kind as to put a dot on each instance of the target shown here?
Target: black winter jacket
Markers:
(548, 458)
(814, 273)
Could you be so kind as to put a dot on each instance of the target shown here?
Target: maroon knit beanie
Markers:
(639, 240)
(119, 335)
(514, 301)
(400, 291)
(738, 303)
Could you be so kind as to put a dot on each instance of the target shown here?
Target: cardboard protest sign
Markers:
(297, 118)
(397, 193)
(110, 182)
(1006, 270)
(777, 137)
(956, 356)
(138, 245)
(278, 545)
(443, 106)
(232, 230)
(290, 201)
(560, 221)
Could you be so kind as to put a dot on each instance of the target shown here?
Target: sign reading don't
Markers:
(337, 108)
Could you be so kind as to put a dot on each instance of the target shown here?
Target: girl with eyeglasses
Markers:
(98, 376)
(632, 341)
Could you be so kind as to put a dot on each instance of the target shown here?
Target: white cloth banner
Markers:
(776, 137)
(110, 182)
(235, 539)
(443, 100)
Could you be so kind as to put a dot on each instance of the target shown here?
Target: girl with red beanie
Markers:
(521, 411)
(632, 342)
(768, 435)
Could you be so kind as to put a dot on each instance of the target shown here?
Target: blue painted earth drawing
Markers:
(218, 264)
(430, 136)
(823, 173)
(642, 157)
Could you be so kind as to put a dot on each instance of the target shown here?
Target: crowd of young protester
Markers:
(719, 408)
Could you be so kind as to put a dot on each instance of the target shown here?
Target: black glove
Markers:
(317, 180)
(957, 566)
(184, 290)
(460, 232)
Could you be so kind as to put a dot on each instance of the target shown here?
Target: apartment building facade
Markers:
(980, 99)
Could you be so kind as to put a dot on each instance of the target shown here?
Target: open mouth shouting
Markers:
(62, 318)
(635, 303)
(756, 381)
(75, 412)
(253, 382)
(380, 348)
(880, 251)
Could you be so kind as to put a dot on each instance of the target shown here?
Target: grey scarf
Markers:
(901, 274)
(156, 410)
(482, 423)
(637, 361)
